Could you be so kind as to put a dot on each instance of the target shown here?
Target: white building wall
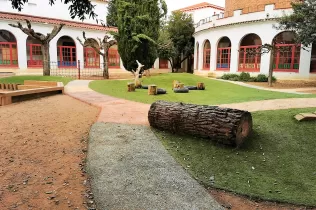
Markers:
(59, 10)
(44, 29)
(264, 29)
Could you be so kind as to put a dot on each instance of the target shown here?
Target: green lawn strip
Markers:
(20, 79)
(217, 92)
(277, 163)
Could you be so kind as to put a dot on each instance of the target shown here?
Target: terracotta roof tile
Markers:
(200, 6)
(45, 20)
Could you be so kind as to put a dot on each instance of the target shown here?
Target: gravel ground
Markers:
(131, 169)
(41, 149)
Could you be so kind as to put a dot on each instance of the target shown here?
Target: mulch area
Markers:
(43, 144)
(287, 84)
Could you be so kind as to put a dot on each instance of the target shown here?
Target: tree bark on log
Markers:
(223, 125)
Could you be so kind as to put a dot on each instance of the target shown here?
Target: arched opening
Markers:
(34, 52)
(163, 63)
(249, 53)
(114, 57)
(223, 54)
(91, 57)
(197, 55)
(287, 52)
(207, 55)
(313, 59)
(66, 52)
(8, 49)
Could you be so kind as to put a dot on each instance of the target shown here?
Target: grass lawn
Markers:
(20, 79)
(217, 92)
(277, 163)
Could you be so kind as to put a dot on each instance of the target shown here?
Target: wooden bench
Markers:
(30, 90)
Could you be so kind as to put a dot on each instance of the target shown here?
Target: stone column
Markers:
(305, 61)
(21, 46)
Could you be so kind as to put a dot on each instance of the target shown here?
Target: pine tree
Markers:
(138, 25)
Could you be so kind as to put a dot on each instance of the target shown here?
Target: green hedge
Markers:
(245, 77)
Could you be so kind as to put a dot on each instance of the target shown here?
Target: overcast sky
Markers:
(178, 4)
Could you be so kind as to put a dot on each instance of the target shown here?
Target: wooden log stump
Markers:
(152, 89)
(200, 86)
(131, 87)
(138, 84)
(179, 86)
(1, 86)
(174, 83)
(223, 125)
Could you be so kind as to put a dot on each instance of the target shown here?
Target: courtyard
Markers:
(269, 166)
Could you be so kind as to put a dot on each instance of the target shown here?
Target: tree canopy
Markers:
(77, 8)
(176, 42)
(302, 21)
(138, 24)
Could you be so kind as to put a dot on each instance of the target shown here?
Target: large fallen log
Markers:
(226, 126)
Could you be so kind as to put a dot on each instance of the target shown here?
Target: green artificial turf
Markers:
(277, 163)
(20, 79)
(217, 92)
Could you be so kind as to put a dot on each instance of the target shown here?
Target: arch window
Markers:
(207, 55)
(287, 53)
(34, 52)
(223, 54)
(114, 57)
(66, 52)
(91, 57)
(8, 49)
(249, 57)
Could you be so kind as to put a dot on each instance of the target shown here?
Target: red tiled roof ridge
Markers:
(38, 19)
(200, 6)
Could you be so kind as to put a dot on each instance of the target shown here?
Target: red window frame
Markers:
(248, 62)
(284, 61)
(163, 63)
(35, 51)
(91, 61)
(7, 59)
(114, 58)
(68, 53)
(206, 59)
(223, 57)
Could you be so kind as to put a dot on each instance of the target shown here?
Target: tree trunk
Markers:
(223, 125)
(105, 65)
(46, 59)
(271, 68)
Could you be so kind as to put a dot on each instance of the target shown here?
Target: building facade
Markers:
(226, 42)
(22, 55)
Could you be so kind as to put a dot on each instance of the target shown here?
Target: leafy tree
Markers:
(77, 8)
(138, 25)
(180, 29)
(102, 49)
(166, 49)
(111, 18)
(302, 21)
(44, 40)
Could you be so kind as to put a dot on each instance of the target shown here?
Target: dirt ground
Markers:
(287, 84)
(42, 147)
(234, 202)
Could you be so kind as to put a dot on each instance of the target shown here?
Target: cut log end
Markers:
(244, 129)
(200, 86)
(131, 87)
(152, 89)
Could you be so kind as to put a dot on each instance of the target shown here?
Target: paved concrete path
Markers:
(132, 170)
(113, 110)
